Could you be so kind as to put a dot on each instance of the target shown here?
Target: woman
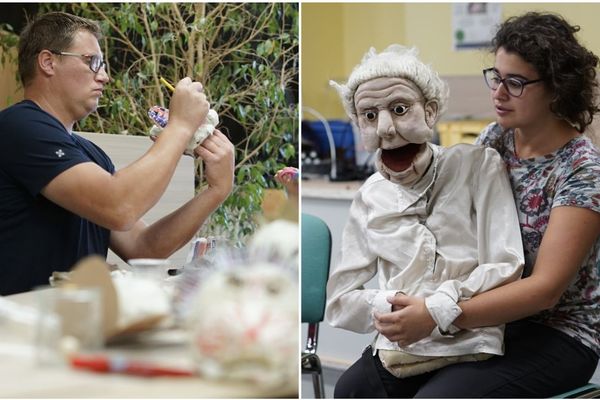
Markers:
(543, 85)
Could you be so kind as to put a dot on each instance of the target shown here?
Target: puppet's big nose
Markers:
(385, 125)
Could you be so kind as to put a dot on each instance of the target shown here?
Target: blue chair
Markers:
(316, 255)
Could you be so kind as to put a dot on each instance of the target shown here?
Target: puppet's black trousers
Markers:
(539, 361)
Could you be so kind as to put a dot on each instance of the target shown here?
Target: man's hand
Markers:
(188, 107)
(408, 322)
(218, 154)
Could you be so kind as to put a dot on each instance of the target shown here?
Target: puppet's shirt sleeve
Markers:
(350, 305)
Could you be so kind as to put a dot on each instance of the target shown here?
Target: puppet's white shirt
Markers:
(454, 234)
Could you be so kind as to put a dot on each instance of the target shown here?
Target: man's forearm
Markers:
(150, 175)
(170, 233)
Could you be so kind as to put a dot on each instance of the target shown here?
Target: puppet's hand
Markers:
(408, 322)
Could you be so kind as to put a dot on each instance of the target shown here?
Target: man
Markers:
(61, 197)
(432, 222)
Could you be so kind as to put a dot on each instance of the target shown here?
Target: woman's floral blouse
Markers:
(568, 177)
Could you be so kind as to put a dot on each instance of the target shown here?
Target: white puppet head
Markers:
(395, 99)
(396, 61)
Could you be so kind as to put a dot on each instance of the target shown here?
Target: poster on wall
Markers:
(474, 24)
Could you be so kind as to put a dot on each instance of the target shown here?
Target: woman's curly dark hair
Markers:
(547, 41)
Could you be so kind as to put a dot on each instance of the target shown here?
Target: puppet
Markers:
(438, 223)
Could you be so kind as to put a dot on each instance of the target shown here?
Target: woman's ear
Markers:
(431, 112)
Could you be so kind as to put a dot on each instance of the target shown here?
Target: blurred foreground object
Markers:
(244, 325)
(289, 177)
(130, 304)
(277, 240)
(278, 204)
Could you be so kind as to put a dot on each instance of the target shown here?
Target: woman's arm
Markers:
(568, 239)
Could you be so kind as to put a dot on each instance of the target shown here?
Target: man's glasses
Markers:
(94, 61)
(514, 86)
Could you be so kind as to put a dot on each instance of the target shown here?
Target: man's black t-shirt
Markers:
(37, 236)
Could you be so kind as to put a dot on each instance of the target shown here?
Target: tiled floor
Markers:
(330, 376)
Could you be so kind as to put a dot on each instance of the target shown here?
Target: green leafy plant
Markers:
(246, 55)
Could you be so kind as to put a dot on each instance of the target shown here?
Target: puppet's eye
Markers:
(400, 109)
(235, 281)
(371, 115)
(273, 288)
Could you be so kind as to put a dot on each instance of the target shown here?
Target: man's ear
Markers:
(45, 62)
(431, 112)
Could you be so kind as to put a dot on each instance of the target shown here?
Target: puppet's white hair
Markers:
(399, 62)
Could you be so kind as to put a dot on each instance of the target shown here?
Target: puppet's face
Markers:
(391, 113)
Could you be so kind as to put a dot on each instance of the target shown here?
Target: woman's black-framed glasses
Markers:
(514, 86)
(94, 61)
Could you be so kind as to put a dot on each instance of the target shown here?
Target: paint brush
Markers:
(167, 84)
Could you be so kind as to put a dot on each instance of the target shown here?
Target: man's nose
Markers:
(385, 124)
(102, 75)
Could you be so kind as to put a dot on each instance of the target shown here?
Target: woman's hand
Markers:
(408, 322)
